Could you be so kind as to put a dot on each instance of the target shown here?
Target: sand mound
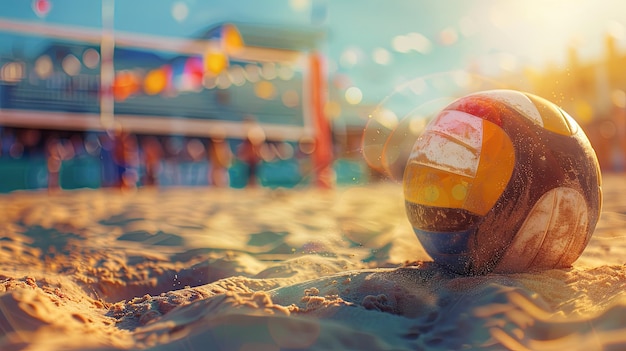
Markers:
(187, 269)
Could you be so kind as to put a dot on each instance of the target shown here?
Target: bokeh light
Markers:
(285, 151)
(350, 57)
(381, 56)
(180, 11)
(195, 149)
(285, 72)
(400, 43)
(299, 5)
(385, 117)
(209, 81)
(223, 81)
(231, 39)
(41, 7)
(290, 98)
(267, 152)
(215, 61)
(618, 98)
(412, 42)
(192, 75)
(155, 81)
(43, 67)
(353, 95)
(253, 72)
(237, 75)
(448, 36)
(306, 145)
(265, 90)
(125, 84)
(71, 65)
(268, 71)
(91, 58)
(12, 72)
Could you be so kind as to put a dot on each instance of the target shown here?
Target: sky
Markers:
(376, 44)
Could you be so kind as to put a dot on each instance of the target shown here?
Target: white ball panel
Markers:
(550, 231)
(518, 101)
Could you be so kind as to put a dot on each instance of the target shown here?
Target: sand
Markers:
(301, 269)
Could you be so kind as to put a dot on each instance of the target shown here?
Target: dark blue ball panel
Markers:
(447, 248)
(445, 242)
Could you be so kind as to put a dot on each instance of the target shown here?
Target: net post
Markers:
(323, 152)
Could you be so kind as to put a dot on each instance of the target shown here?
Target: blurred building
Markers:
(65, 77)
(227, 91)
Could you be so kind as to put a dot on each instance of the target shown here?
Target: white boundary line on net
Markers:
(153, 124)
(147, 124)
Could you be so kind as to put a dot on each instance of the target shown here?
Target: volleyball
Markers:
(502, 181)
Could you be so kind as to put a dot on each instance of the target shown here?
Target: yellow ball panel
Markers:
(441, 185)
(495, 168)
(553, 119)
(429, 186)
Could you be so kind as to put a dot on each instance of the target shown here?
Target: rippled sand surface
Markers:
(255, 269)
